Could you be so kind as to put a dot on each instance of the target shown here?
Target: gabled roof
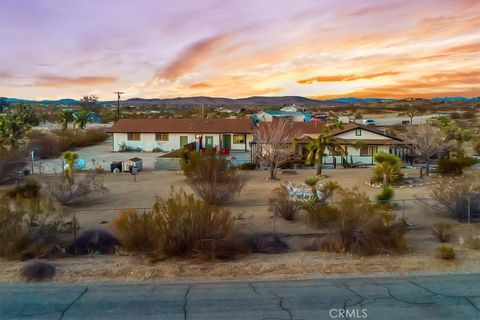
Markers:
(182, 126)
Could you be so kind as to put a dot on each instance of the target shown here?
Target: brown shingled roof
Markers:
(183, 126)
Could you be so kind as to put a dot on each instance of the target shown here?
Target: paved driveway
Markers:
(420, 297)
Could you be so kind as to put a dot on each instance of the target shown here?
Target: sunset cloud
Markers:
(375, 48)
(57, 81)
(193, 55)
(346, 77)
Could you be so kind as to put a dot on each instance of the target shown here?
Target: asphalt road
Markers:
(420, 297)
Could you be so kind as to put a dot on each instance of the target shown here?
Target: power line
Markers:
(118, 93)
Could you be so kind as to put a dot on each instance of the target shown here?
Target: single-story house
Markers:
(172, 134)
(358, 143)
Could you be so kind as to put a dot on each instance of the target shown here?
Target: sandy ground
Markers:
(251, 204)
(100, 155)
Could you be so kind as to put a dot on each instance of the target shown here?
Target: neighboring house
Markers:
(172, 134)
(294, 116)
(95, 118)
(359, 143)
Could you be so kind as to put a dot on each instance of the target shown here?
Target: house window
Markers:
(133, 136)
(358, 132)
(238, 139)
(368, 150)
(161, 136)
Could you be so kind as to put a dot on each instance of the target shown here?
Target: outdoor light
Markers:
(198, 136)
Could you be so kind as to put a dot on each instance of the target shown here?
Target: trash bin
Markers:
(116, 166)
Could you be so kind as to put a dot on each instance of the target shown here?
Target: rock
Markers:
(268, 243)
(37, 270)
(90, 241)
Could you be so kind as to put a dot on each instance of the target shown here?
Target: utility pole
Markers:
(118, 93)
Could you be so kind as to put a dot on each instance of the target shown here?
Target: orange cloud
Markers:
(428, 86)
(346, 77)
(193, 55)
(58, 81)
(200, 85)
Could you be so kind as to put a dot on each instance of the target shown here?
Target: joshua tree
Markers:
(317, 147)
(81, 119)
(387, 168)
(69, 158)
(66, 116)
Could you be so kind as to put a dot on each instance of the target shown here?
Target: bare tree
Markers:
(426, 141)
(273, 144)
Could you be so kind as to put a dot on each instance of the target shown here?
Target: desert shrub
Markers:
(211, 178)
(156, 149)
(66, 191)
(123, 147)
(133, 230)
(37, 271)
(387, 168)
(453, 195)
(180, 225)
(53, 143)
(30, 227)
(470, 114)
(476, 147)
(442, 231)
(455, 115)
(11, 163)
(385, 195)
(473, 242)
(354, 224)
(268, 243)
(446, 252)
(248, 166)
(28, 188)
(281, 206)
(456, 165)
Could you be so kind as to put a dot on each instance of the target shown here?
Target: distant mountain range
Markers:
(250, 101)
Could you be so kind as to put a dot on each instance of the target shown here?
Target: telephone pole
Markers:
(118, 93)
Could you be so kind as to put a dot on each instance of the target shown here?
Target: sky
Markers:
(53, 49)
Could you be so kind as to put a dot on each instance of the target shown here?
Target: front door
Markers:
(183, 141)
(208, 141)
(227, 141)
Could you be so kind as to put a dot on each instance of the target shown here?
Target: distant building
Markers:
(294, 116)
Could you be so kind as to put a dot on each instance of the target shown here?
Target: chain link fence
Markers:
(258, 218)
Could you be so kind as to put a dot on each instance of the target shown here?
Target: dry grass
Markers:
(52, 144)
(442, 231)
(445, 252)
(353, 224)
(30, 228)
(180, 225)
(281, 206)
(211, 179)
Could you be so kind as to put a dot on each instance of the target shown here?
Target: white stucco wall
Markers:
(147, 141)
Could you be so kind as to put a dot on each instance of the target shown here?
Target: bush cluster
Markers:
(53, 143)
(446, 252)
(180, 225)
(211, 177)
(442, 231)
(354, 224)
(455, 166)
(30, 227)
(281, 206)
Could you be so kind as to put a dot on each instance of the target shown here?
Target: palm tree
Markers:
(325, 141)
(70, 158)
